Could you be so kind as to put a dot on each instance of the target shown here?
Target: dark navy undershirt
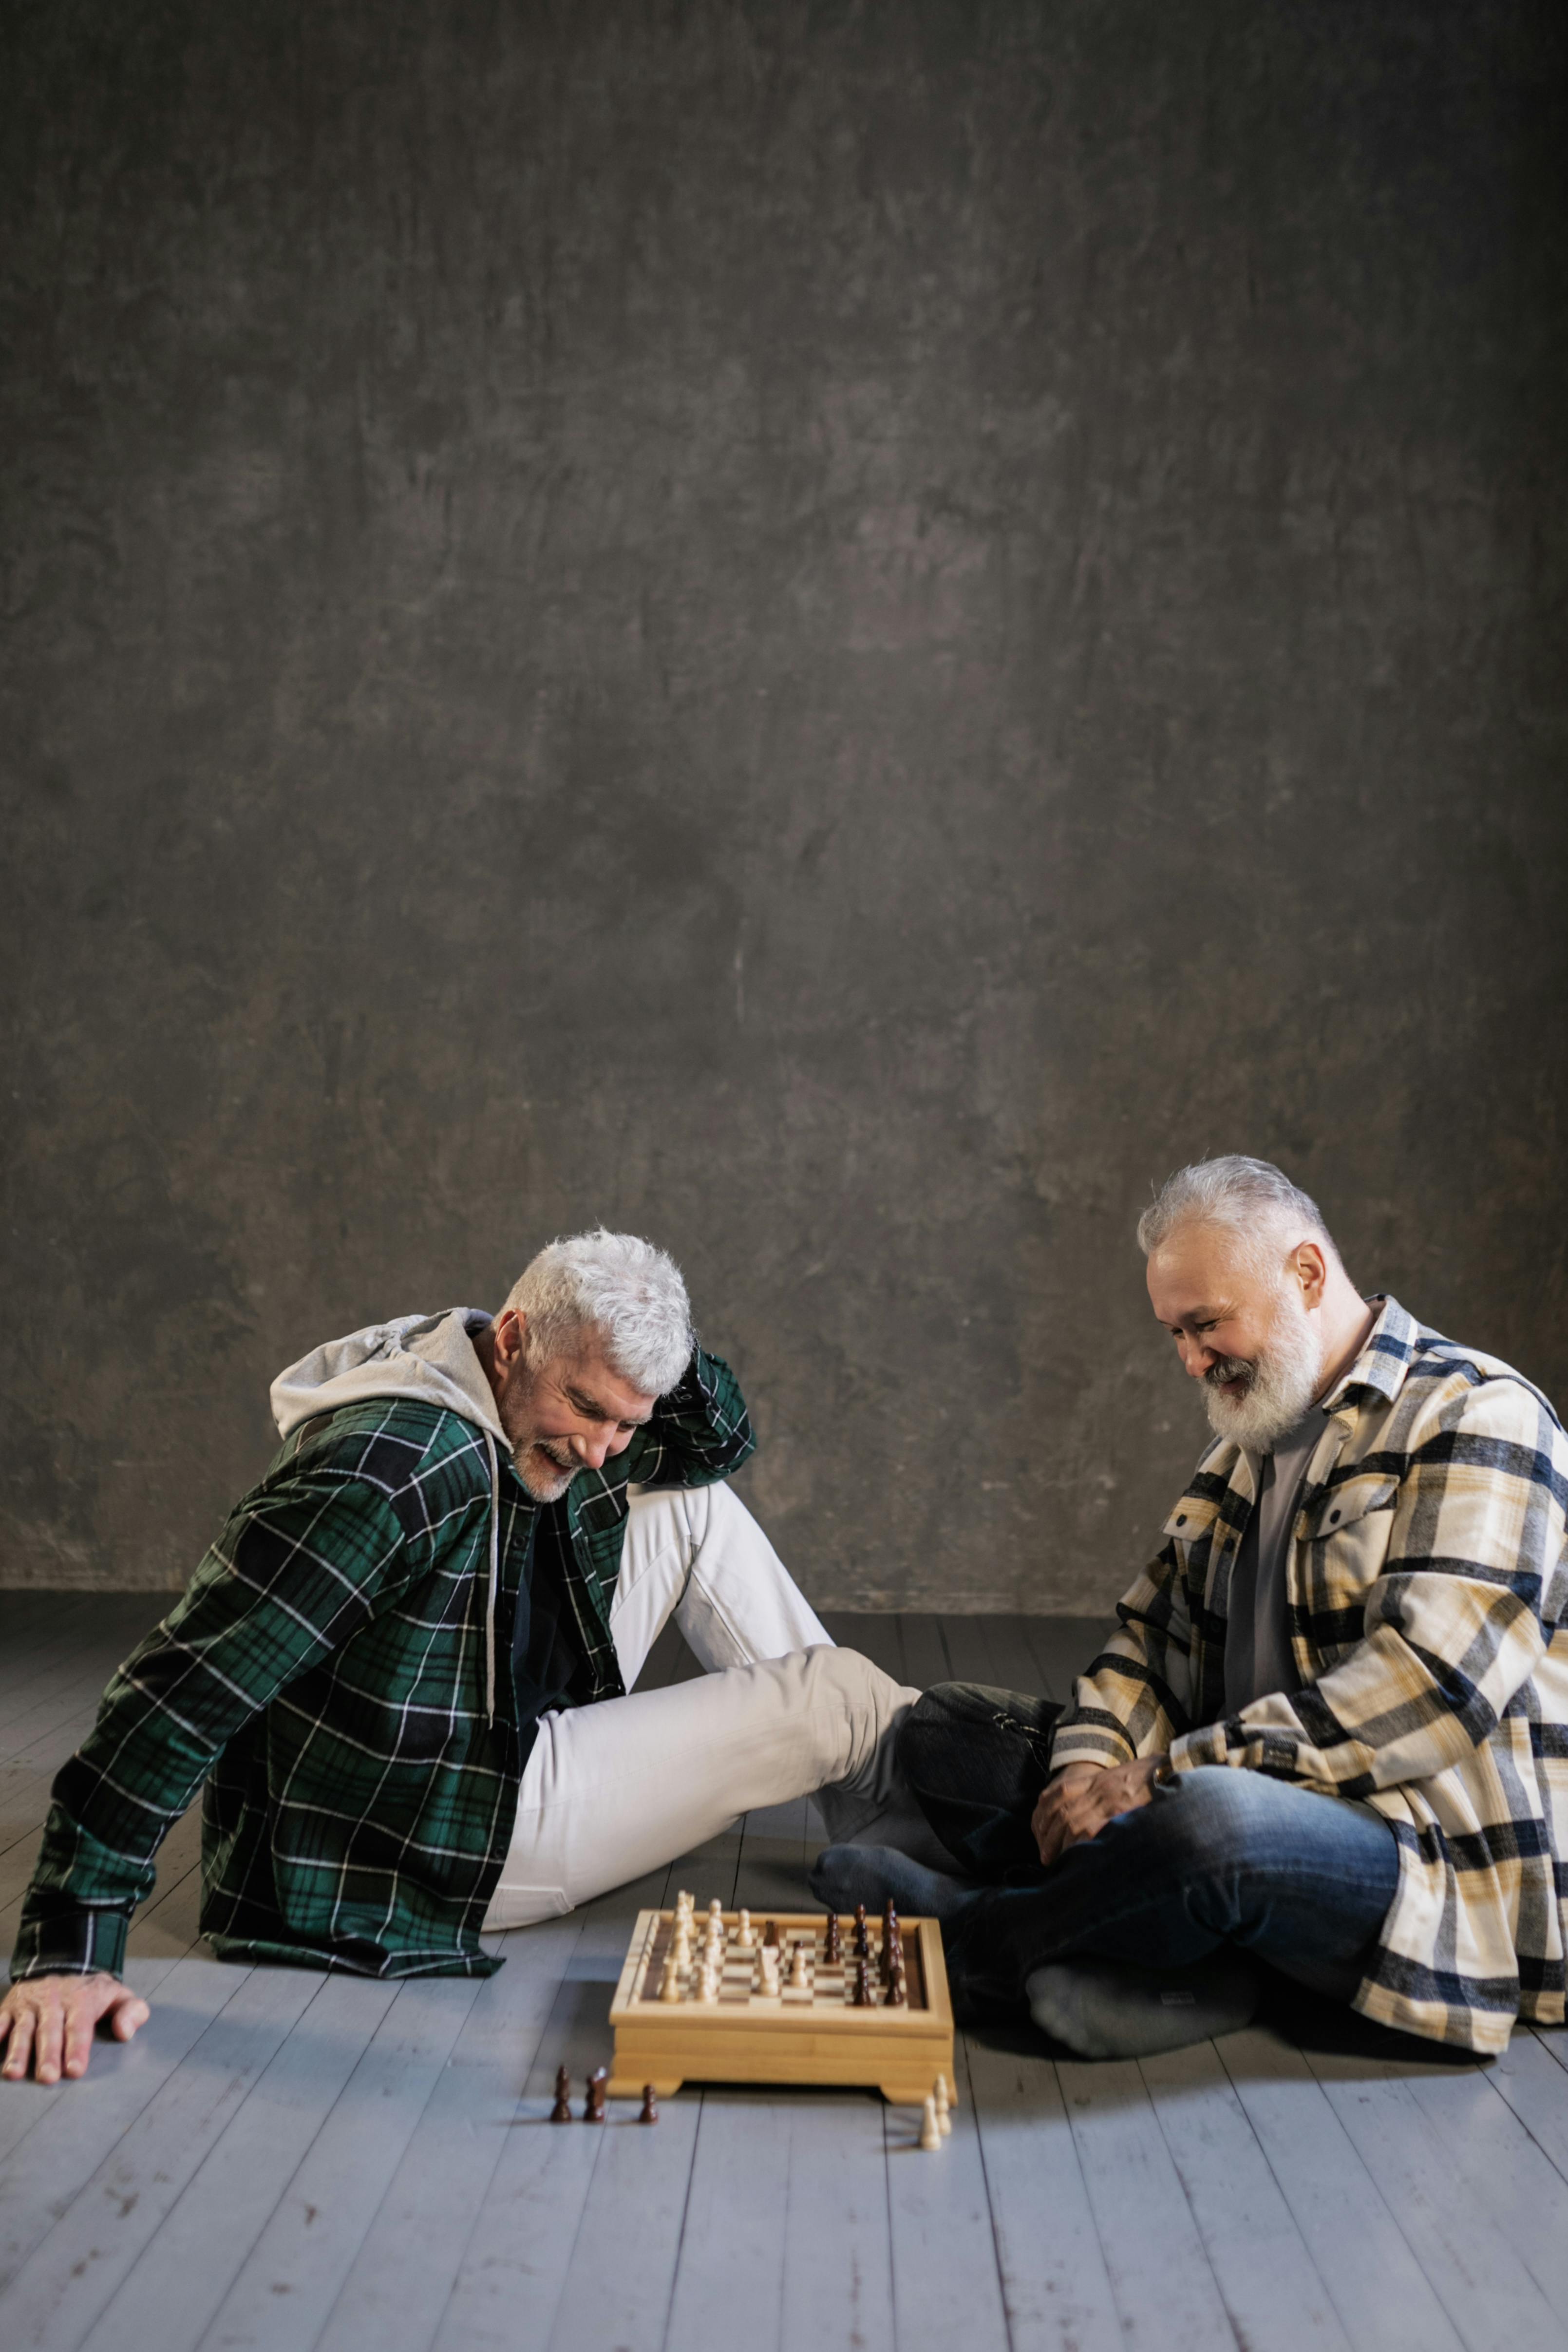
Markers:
(546, 1657)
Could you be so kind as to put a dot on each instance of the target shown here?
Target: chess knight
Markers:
(403, 1677)
(1327, 1745)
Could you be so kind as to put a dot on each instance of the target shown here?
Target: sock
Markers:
(1113, 2009)
(844, 1875)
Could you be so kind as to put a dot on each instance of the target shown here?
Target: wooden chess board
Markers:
(809, 2033)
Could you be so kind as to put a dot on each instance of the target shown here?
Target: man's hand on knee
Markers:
(1077, 1804)
(50, 2021)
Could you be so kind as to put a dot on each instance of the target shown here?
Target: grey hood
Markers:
(427, 1358)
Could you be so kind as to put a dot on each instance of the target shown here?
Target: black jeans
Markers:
(1302, 1881)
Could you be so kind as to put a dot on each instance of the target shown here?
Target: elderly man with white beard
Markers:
(1329, 1737)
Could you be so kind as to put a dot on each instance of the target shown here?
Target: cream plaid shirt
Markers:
(1427, 1588)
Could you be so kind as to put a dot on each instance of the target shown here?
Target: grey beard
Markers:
(1281, 1384)
(557, 1485)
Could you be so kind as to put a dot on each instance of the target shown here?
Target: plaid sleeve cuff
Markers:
(59, 1940)
(1090, 1743)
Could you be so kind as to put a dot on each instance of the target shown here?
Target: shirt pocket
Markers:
(1346, 1543)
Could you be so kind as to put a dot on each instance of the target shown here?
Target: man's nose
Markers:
(592, 1450)
(1195, 1359)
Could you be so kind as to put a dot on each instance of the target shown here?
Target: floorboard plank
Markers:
(876, 1638)
(519, 2259)
(1166, 2291)
(1272, 2289)
(412, 2253)
(1533, 2085)
(1553, 2040)
(1508, 2174)
(946, 2279)
(72, 2133)
(1054, 2282)
(61, 2289)
(1488, 2293)
(179, 2282)
(281, 2298)
(1379, 2289)
(924, 1659)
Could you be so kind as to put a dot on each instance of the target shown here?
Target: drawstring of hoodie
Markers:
(495, 1579)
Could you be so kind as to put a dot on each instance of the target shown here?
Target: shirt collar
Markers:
(1379, 1371)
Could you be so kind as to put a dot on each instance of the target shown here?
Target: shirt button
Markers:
(1333, 1516)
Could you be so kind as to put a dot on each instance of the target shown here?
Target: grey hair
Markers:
(621, 1289)
(1249, 1198)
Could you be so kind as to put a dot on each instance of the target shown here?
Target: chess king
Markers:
(403, 1677)
(1329, 1739)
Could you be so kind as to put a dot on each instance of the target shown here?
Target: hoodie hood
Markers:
(429, 1358)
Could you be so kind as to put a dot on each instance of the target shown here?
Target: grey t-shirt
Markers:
(1257, 1632)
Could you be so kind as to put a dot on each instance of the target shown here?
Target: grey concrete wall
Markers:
(838, 633)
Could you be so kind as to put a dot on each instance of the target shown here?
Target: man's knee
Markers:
(950, 1712)
(1213, 1820)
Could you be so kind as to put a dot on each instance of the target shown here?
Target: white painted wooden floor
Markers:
(291, 2161)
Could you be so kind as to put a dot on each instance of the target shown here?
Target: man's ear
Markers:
(1311, 1272)
(510, 1334)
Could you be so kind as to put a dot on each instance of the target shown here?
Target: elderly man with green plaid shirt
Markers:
(1330, 1735)
(402, 1677)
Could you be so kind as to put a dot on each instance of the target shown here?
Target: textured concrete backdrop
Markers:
(836, 632)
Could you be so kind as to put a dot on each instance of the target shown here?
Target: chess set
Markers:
(801, 1998)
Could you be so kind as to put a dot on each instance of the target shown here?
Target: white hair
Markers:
(1249, 1198)
(620, 1290)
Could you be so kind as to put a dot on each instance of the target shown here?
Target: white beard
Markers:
(1284, 1380)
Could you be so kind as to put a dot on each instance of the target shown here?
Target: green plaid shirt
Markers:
(324, 1676)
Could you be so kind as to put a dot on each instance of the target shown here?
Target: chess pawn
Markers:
(942, 2103)
(798, 1977)
(743, 1936)
(562, 2111)
(670, 1983)
(930, 2130)
(707, 1987)
(686, 1904)
(716, 1915)
(650, 2113)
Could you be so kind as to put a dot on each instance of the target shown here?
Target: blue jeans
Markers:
(1302, 1881)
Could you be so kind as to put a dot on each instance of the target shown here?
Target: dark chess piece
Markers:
(593, 2105)
(892, 1954)
(562, 2111)
(863, 1985)
(863, 1941)
(889, 1919)
(650, 2113)
(897, 1998)
(770, 1933)
(833, 1949)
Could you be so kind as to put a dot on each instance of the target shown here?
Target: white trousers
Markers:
(614, 1791)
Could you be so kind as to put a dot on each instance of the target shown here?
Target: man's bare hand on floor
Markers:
(1082, 1798)
(51, 2020)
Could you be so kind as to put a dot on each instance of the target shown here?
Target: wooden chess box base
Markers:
(814, 2036)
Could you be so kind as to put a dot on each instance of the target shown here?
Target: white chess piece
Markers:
(930, 2130)
(798, 1976)
(943, 2102)
(743, 1936)
(670, 1983)
(767, 1959)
